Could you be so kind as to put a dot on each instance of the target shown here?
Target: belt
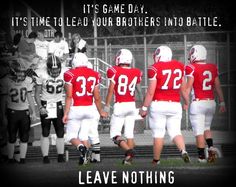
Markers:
(167, 101)
(203, 99)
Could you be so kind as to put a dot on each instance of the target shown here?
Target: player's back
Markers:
(83, 80)
(169, 78)
(204, 77)
(125, 80)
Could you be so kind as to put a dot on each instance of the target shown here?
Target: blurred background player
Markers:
(78, 44)
(41, 48)
(203, 80)
(59, 48)
(48, 96)
(82, 86)
(166, 81)
(26, 50)
(18, 89)
(123, 81)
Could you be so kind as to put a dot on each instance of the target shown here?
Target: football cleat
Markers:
(11, 161)
(46, 160)
(22, 161)
(185, 157)
(127, 162)
(154, 163)
(83, 155)
(211, 155)
(60, 158)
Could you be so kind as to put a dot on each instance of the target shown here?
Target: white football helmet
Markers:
(124, 56)
(79, 60)
(90, 65)
(197, 53)
(162, 54)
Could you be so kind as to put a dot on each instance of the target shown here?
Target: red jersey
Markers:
(204, 77)
(169, 78)
(125, 80)
(83, 80)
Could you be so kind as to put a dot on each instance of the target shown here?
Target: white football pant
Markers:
(165, 115)
(201, 115)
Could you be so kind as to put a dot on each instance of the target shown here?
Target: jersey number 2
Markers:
(208, 79)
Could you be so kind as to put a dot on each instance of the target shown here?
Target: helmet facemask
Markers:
(53, 66)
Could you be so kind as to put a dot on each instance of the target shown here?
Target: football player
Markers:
(203, 80)
(123, 81)
(48, 96)
(82, 87)
(166, 81)
(18, 89)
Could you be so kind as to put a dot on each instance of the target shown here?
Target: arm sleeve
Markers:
(140, 77)
(111, 72)
(152, 73)
(29, 84)
(68, 77)
(189, 70)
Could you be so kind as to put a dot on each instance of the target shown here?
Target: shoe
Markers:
(87, 157)
(82, 155)
(60, 158)
(22, 161)
(46, 160)
(126, 162)
(185, 157)
(94, 161)
(202, 159)
(11, 161)
(211, 155)
(154, 163)
(82, 149)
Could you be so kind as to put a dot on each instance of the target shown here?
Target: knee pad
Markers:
(24, 138)
(60, 133)
(45, 133)
(12, 139)
(117, 140)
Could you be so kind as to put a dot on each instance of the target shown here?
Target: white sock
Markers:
(23, 149)
(183, 151)
(96, 156)
(60, 145)
(10, 150)
(45, 145)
